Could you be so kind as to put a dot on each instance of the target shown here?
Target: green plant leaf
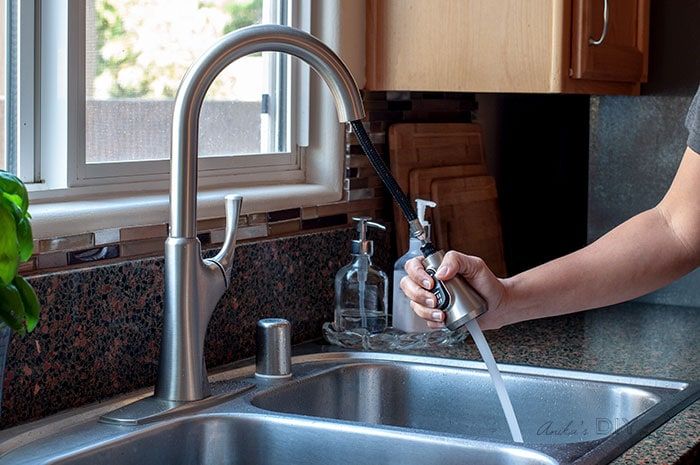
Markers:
(25, 241)
(12, 308)
(12, 207)
(8, 317)
(19, 306)
(13, 189)
(29, 300)
(9, 250)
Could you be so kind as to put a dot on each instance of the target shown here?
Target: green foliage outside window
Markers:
(243, 14)
(144, 47)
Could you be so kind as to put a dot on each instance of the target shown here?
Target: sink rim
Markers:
(345, 356)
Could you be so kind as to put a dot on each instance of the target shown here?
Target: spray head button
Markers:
(421, 205)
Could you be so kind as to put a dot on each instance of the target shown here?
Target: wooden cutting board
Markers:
(430, 145)
(421, 178)
(468, 219)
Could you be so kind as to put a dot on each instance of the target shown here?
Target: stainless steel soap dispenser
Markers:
(361, 289)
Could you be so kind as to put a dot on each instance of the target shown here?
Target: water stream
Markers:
(486, 354)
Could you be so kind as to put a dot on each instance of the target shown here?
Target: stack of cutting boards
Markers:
(445, 163)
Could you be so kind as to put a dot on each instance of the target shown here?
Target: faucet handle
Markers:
(232, 204)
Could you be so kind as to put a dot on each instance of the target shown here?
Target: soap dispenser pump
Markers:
(361, 289)
(403, 316)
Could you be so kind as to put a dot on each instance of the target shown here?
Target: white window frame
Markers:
(317, 179)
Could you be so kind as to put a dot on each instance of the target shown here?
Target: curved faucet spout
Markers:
(194, 286)
(194, 86)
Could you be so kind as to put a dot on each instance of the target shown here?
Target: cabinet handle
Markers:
(591, 40)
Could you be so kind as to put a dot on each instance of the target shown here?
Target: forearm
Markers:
(641, 255)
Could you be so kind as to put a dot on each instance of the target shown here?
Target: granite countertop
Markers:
(632, 339)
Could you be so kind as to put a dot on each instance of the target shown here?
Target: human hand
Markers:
(418, 283)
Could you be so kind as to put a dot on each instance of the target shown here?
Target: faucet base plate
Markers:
(151, 409)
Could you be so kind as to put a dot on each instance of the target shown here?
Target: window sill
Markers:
(78, 216)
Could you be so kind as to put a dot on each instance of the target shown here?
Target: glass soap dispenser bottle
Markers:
(402, 315)
(361, 289)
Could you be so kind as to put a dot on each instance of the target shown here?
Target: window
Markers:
(109, 73)
(92, 131)
(136, 53)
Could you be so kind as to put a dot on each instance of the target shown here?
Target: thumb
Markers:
(450, 266)
(457, 263)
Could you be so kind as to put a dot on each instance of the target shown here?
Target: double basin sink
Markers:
(370, 408)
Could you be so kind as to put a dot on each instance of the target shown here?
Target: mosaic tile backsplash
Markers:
(99, 333)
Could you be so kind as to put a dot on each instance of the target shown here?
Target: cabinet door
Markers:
(621, 56)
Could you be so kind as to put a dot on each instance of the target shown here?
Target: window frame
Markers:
(20, 101)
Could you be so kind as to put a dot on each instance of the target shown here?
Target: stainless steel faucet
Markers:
(194, 286)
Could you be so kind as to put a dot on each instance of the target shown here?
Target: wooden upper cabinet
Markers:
(614, 51)
(539, 46)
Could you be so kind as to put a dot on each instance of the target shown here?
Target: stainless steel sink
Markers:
(257, 439)
(462, 400)
(374, 408)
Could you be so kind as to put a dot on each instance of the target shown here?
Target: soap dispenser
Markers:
(361, 289)
(403, 316)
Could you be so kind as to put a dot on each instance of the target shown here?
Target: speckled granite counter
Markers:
(633, 339)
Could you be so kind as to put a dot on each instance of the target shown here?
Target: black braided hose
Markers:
(383, 171)
(385, 175)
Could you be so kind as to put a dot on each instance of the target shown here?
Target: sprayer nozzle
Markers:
(417, 230)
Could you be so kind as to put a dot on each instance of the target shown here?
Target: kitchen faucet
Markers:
(194, 286)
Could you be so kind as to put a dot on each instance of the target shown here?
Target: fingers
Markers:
(477, 274)
(423, 303)
(416, 293)
(415, 270)
(474, 270)
(430, 314)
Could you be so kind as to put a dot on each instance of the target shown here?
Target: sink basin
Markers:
(358, 407)
(260, 440)
(550, 408)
